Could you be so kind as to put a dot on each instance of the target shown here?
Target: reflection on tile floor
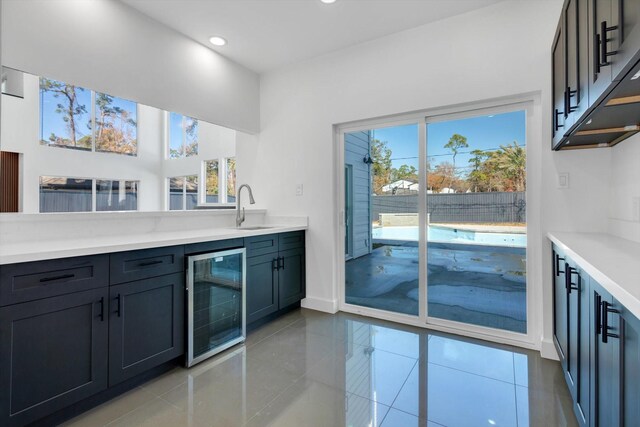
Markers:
(482, 285)
(314, 369)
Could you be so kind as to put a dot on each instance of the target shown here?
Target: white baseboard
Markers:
(320, 304)
(548, 350)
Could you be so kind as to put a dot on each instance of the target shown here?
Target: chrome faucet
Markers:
(239, 214)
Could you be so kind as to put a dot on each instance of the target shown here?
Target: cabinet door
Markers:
(626, 38)
(577, 52)
(577, 372)
(262, 286)
(54, 354)
(291, 281)
(630, 363)
(605, 359)
(146, 325)
(600, 75)
(560, 307)
(558, 86)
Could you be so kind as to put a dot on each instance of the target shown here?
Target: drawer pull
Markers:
(148, 263)
(51, 279)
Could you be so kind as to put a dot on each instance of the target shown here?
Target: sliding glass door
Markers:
(381, 180)
(435, 221)
(476, 200)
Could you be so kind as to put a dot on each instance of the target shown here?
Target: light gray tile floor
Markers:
(314, 369)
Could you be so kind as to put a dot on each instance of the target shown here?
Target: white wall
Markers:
(110, 47)
(624, 200)
(501, 50)
(20, 133)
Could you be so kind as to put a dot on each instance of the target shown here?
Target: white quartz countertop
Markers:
(35, 250)
(611, 261)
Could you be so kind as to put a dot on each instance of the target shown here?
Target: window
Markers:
(78, 118)
(116, 195)
(65, 194)
(231, 180)
(62, 194)
(211, 174)
(183, 193)
(183, 136)
(116, 125)
(65, 115)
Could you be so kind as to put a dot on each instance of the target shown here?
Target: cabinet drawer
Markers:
(142, 264)
(291, 240)
(218, 245)
(261, 245)
(30, 281)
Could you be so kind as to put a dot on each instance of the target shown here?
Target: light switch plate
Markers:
(299, 190)
(563, 180)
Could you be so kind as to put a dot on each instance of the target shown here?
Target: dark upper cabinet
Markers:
(625, 39)
(599, 41)
(558, 86)
(600, 74)
(54, 354)
(146, 322)
(576, 36)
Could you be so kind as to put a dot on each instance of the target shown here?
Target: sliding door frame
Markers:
(530, 103)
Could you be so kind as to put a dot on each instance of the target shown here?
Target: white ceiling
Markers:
(267, 34)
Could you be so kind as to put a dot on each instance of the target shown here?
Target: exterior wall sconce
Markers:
(367, 159)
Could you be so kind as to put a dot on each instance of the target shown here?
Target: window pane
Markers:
(211, 173)
(116, 125)
(176, 193)
(191, 136)
(176, 149)
(116, 195)
(231, 180)
(65, 115)
(192, 192)
(65, 194)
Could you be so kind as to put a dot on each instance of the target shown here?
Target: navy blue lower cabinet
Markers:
(54, 354)
(262, 286)
(577, 370)
(630, 365)
(606, 370)
(146, 325)
(560, 306)
(291, 277)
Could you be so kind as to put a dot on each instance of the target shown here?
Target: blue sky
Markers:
(484, 133)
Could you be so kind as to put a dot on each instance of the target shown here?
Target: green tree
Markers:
(511, 161)
(405, 172)
(477, 177)
(456, 142)
(381, 167)
(69, 108)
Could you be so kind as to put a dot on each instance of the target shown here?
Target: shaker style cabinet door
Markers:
(146, 325)
(560, 307)
(558, 116)
(626, 37)
(291, 280)
(54, 354)
(262, 286)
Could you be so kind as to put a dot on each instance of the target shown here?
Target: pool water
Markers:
(451, 235)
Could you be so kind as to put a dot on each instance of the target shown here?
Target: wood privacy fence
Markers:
(459, 207)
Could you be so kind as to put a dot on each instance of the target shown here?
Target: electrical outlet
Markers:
(299, 190)
(563, 180)
(635, 203)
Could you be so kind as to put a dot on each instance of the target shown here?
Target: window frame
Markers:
(223, 201)
(94, 194)
(184, 193)
(92, 120)
(183, 134)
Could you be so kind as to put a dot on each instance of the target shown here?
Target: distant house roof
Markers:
(447, 190)
(402, 184)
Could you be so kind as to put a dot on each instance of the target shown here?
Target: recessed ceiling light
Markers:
(328, 1)
(218, 41)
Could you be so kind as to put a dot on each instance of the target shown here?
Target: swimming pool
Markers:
(450, 235)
